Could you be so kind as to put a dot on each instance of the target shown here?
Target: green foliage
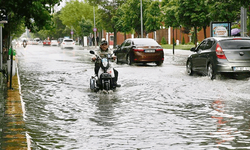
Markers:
(73, 13)
(163, 41)
(86, 27)
(35, 15)
(153, 20)
(231, 10)
(169, 15)
(132, 13)
(183, 40)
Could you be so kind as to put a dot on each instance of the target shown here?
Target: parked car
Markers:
(218, 55)
(46, 43)
(54, 43)
(139, 50)
(68, 43)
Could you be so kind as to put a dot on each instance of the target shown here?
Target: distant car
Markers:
(68, 43)
(34, 42)
(54, 43)
(218, 55)
(139, 50)
(46, 43)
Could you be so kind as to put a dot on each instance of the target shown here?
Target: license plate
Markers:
(149, 51)
(241, 68)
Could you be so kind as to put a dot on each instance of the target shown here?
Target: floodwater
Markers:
(157, 108)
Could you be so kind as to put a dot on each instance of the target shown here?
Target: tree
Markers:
(133, 14)
(224, 10)
(73, 13)
(153, 14)
(106, 12)
(86, 27)
(191, 14)
(121, 24)
(33, 14)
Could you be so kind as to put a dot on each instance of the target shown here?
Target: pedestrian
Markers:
(93, 40)
(104, 51)
(97, 40)
(90, 41)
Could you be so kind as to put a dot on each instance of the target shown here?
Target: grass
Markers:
(183, 47)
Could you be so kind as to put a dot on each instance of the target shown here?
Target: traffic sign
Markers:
(71, 32)
(94, 29)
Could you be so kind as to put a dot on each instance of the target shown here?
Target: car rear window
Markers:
(145, 43)
(235, 44)
(68, 40)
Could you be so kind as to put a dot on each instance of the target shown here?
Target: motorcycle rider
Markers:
(103, 51)
(24, 43)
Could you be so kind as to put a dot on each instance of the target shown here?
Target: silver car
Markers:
(217, 55)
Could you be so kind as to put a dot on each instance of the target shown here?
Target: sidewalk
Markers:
(13, 132)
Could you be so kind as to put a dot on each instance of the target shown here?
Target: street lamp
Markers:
(141, 22)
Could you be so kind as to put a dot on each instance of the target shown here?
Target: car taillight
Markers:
(138, 50)
(160, 49)
(219, 52)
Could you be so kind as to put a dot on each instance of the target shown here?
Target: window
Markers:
(202, 45)
(209, 44)
(128, 43)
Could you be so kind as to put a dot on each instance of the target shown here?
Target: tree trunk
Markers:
(195, 38)
(115, 38)
(205, 33)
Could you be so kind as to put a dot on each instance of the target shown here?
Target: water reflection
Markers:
(105, 106)
(230, 132)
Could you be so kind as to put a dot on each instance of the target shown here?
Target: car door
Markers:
(119, 51)
(205, 55)
(126, 49)
(196, 58)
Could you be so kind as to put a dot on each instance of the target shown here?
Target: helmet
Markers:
(104, 42)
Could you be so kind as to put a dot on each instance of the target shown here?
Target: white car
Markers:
(54, 43)
(68, 43)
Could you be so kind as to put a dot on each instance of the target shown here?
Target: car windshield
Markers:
(235, 44)
(68, 40)
(145, 42)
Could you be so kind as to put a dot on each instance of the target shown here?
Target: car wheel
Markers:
(159, 63)
(129, 60)
(189, 68)
(210, 71)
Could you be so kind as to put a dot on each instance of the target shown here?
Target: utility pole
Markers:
(141, 21)
(243, 18)
(94, 26)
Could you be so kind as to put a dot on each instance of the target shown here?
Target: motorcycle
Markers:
(24, 44)
(105, 79)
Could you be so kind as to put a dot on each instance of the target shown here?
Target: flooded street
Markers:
(156, 108)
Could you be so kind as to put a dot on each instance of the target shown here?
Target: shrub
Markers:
(183, 40)
(163, 41)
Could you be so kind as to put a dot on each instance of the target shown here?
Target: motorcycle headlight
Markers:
(105, 62)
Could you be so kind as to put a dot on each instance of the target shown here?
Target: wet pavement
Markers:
(156, 107)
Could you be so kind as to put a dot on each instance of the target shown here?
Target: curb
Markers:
(14, 134)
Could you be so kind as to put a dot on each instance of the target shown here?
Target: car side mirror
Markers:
(117, 46)
(193, 49)
(91, 52)
(114, 51)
